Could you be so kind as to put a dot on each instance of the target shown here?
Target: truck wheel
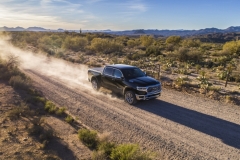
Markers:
(130, 97)
(95, 85)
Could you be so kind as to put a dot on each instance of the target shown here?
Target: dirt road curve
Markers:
(180, 125)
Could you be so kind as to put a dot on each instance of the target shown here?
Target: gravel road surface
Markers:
(175, 126)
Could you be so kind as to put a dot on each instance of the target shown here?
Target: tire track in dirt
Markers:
(158, 125)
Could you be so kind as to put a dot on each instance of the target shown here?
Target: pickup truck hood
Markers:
(144, 81)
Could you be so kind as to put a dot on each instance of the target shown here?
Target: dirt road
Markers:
(176, 125)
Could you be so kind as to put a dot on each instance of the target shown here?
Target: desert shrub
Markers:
(88, 137)
(130, 151)
(232, 47)
(153, 50)
(50, 44)
(182, 54)
(191, 43)
(179, 81)
(222, 75)
(106, 147)
(204, 80)
(75, 43)
(198, 68)
(106, 46)
(59, 53)
(186, 55)
(39, 99)
(8, 68)
(99, 155)
(90, 36)
(50, 107)
(19, 82)
(61, 111)
(69, 119)
(135, 56)
(17, 111)
(214, 88)
(122, 40)
(195, 56)
(131, 43)
(173, 40)
(146, 40)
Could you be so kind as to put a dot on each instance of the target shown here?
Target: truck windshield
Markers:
(131, 73)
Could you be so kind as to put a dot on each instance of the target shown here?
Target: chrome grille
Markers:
(154, 88)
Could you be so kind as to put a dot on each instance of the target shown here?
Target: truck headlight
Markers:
(142, 89)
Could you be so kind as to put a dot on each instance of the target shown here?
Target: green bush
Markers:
(147, 40)
(106, 147)
(173, 40)
(106, 46)
(69, 119)
(130, 152)
(50, 107)
(191, 43)
(133, 43)
(88, 137)
(36, 99)
(75, 43)
(153, 50)
(186, 55)
(60, 111)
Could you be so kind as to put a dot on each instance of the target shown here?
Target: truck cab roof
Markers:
(121, 66)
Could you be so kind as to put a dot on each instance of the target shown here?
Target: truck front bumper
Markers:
(148, 96)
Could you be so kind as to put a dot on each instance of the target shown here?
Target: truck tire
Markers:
(130, 97)
(95, 84)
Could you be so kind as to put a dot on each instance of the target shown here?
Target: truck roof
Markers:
(121, 66)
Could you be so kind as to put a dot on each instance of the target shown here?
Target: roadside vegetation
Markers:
(106, 150)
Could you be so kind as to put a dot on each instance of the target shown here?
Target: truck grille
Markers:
(154, 88)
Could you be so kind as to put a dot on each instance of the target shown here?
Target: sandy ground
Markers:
(16, 143)
(175, 126)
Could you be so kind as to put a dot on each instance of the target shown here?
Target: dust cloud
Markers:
(75, 75)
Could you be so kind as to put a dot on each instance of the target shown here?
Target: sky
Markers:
(120, 14)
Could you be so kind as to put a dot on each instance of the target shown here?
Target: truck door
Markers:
(107, 77)
(117, 81)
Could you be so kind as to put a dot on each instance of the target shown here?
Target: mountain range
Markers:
(156, 32)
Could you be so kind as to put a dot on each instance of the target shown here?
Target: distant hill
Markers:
(155, 32)
(178, 32)
(218, 37)
(36, 29)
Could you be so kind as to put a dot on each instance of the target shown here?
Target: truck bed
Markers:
(98, 69)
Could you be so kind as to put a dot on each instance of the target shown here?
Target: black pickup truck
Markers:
(128, 80)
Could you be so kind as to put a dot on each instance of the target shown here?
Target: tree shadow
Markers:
(227, 131)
